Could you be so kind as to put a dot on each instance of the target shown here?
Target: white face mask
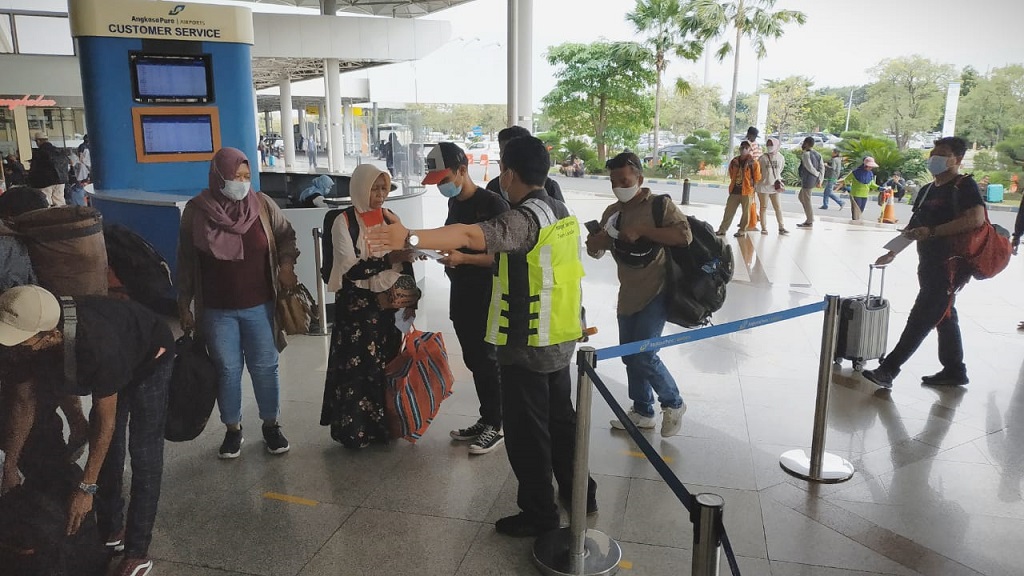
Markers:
(938, 164)
(235, 190)
(769, 149)
(626, 194)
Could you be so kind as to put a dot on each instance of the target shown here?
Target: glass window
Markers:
(6, 41)
(44, 35)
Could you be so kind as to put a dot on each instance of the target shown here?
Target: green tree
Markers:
(969, 78)
(821, 112)
(698, 108)
(704, 150)
(659, 19)
(996, 103)
(601, 90)
(907, 96)
(787, 100)
(757, 20)
(1011, 150)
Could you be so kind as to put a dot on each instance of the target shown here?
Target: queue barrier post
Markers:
(821, 466)
(577, 550)
(685, 200)
(707, 538)
(321, 289)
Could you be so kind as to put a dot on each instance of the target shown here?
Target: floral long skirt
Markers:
(364, 339)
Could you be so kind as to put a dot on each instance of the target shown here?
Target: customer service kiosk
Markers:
(165, 84)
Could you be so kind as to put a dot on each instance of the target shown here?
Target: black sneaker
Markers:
(231, 447)
(523, 526)
(805, 225)
(487, 441)
(944, 378)
(566, 500)
(115, 543)
(467, 434)
(879, 377)
(276, 442)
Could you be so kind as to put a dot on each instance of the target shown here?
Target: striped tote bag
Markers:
(419, 379)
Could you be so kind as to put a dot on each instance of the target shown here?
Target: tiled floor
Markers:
(937, 489)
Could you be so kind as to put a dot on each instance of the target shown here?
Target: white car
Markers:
(479, 148)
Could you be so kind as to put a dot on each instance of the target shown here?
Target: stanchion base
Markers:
(601, 556)
(834, 469)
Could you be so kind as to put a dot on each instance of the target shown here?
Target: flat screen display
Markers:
(169, 79)
(182, 134)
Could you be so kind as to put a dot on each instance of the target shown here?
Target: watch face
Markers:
(414, 240)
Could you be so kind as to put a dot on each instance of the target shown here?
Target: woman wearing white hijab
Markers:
(772, 162)
(369, 288)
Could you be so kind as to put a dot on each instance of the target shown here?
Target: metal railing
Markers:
(579, 551)
(321, 288)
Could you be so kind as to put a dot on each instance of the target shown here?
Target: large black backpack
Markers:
(696, 274)
(193, 390)
(327, 238)
(140, 268)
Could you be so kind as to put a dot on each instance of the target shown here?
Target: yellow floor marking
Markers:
(626, 565)
(638, 454)
(289, 499)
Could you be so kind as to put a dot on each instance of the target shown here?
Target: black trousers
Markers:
(469, 316)
(540, 437)
(929, 312)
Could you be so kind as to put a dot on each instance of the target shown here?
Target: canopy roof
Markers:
(392, 8)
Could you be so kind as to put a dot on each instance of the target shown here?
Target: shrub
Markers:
(790, 173)
(580, 149)
(705, 150)
(594, 166)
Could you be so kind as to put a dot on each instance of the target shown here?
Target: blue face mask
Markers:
(449, 189)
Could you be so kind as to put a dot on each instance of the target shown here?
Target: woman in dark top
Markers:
(236, 252)
(370, 288)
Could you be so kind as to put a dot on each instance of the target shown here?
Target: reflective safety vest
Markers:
(536, 297)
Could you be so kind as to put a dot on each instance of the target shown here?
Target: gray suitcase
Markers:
(863, 325)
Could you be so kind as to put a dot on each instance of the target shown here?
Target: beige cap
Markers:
(26, 311)
(40, 135)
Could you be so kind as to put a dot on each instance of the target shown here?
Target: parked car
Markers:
(486, 147)
(669, 151)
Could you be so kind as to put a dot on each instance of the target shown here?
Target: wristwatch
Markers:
(412, 240)
(89, 489)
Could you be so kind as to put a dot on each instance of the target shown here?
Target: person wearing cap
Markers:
(504, 136)
(638, 243)
(862, 183)
(470, 273)
(812, 175)
(534, 321)
(48, 170)
(123, 357)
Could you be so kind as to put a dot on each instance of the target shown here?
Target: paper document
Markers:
(403, 325)
(898, 244)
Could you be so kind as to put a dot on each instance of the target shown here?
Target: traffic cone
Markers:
(487, 164)
(752, 220)
(889, 210)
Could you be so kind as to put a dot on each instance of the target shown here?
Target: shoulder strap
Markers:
(659, 209)
(70, 331)
(353, 227)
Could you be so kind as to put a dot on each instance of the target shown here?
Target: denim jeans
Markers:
(139, 428)
(830, 186)
(237, 337)
(644, 371)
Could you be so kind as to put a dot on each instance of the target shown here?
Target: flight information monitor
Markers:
(172, 79)
(176, 134)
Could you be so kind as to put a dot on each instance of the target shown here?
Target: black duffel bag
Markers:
(193, 390)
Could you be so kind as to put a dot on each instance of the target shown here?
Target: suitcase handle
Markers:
(881, 282)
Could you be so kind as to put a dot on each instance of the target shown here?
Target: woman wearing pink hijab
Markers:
(236, 251)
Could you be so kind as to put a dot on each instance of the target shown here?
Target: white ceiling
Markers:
(392, 8)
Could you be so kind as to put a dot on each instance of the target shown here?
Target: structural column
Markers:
(512, 67)
(302, 125)
(335, 136)
(321, 129)
(287, 125)
(350, 129)
(524, 65)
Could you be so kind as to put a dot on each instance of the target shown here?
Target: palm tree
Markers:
(660, 19)
(755, 19)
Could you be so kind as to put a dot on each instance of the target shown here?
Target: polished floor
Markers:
(937, 489)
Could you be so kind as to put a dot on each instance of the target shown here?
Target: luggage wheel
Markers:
(838, 362)
(858, 365)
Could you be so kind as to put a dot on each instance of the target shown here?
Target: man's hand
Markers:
(11, 477)
(918, 233)
(187, 320)
(453, 259)
(885, 259)
(286, 277)
(78, 508)
(1016, 244)
(387, 238)
(599, 241)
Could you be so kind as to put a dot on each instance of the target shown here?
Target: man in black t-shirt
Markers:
(122, 356)
(470, 272)
(946, 208)
(550, 186)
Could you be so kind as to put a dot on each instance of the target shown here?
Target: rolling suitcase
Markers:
(863, 325)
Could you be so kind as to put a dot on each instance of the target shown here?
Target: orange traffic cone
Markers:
(889, 210)
(469, 157)
(752, 220)
(487, 164)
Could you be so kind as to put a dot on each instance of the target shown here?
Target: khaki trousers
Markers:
(776, 206)
(54, 194)
(805, 201)
(734, 202)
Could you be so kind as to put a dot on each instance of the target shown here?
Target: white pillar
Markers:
(287, 125)
(512, 66)
(350, 129)
(525, 64)
(335, 137)
(321, 129)
(302, 123)
(256, 111)
(952, 104)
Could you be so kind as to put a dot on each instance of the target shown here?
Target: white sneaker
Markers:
(672, 420)
(639, 419)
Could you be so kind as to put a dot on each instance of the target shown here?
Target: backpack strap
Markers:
(658, 209)
(353, 226)
(70, 331)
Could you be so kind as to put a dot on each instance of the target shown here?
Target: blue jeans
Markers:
(644, 371)
(237, 337)
(830, 185)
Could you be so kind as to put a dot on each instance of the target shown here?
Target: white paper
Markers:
(898, 244)
(403, 325)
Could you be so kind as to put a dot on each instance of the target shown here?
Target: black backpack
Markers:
(697, 274)
(192, 392)
(327, 238)
(140, 268)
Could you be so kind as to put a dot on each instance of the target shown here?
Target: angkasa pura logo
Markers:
(177, 10)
